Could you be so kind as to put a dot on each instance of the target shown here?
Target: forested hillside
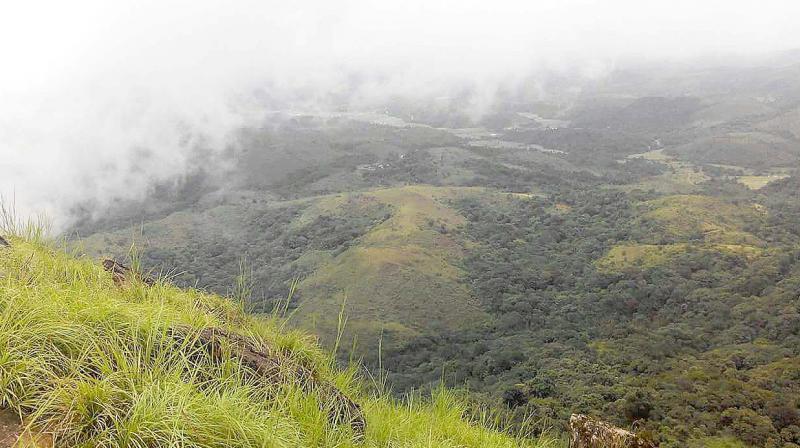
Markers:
(633, 253)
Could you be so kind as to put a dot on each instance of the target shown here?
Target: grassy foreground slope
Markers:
(90, 363)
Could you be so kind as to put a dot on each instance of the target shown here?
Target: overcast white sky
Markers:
(89, 88)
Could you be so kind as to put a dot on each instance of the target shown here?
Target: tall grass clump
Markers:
(94, 364)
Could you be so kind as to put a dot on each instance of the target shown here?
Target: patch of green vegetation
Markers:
(639, 255)
(689, 226)
(744, 388)
(759, 182)
(401, 277)
(703, 219)
(678, 177)
(645, 256)
(716, 442)
(92, 363)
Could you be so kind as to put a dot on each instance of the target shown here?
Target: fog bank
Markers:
(100, 100)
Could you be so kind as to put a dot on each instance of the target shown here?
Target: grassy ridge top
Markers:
(704, 218)
(689, 225)
(402, 276)
(92, 364)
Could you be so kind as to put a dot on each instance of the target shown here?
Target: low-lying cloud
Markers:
(100, 100)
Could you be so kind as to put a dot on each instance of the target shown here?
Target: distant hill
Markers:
(649, 114)
(746, 149)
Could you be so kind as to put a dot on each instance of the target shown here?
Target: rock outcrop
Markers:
(122, 274)
(273, 367)
(269, 366)
(587, 432)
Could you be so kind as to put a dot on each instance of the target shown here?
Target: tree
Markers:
(637, 405)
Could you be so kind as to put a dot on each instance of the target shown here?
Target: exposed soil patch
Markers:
(14, 435)
(10, 429)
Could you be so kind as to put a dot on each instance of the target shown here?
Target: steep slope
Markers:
(94, 363)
